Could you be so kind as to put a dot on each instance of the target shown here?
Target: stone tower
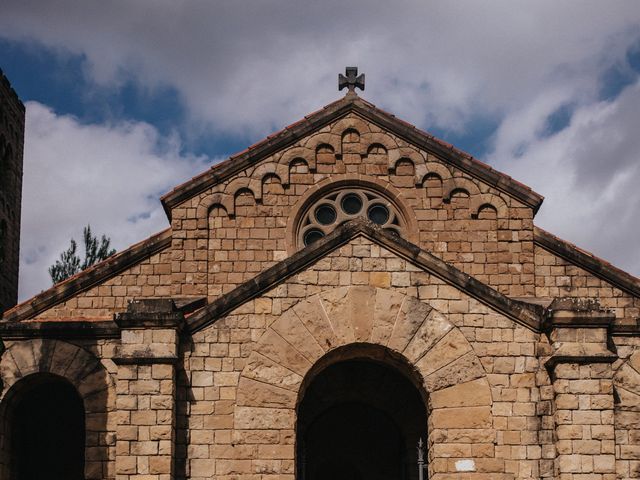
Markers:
(11, 151)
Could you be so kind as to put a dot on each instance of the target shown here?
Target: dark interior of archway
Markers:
(48, 432)
(360, 420)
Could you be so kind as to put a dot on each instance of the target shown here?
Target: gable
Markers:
(405, 135)
(449, 204)
(360, 253)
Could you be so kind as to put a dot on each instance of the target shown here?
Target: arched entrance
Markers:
(45, 429)
(360, 420)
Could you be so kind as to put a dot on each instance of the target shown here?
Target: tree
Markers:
(70, 263)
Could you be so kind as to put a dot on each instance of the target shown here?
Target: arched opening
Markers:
(360, 419)
(45, 429)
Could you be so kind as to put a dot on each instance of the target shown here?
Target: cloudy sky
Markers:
(127, 99)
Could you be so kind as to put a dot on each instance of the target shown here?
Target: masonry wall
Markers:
(221, 403)
(218, 437)
(11, 153)
(242, 226)
(150, 278)
(555, 277)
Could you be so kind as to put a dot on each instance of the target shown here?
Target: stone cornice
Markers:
(59, 329)
(521, 312)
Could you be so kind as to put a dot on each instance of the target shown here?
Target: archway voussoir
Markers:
(464, 369)
(629, 377)
(63, 356)
(435, 327)
(263, 369)
(385, 312)
(252, 393)
(361, 302)
(274, 347)
(449, 348)
(410, 318)
(336, 305)
(312, 315)
(92, 383)
(289, 327)
(629, 401)
(23, 357)
(634, 361)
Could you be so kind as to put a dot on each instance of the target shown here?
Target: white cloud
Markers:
(256, 65)
(110, 176)
(253, 66)
(588, 172)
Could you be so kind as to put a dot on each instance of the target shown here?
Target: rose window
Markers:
(332, 210)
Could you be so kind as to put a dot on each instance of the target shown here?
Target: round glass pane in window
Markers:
(312, 235)
(351, 203)
(325, 214)
(378, 214)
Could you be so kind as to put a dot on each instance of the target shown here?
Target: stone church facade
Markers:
(322, 303)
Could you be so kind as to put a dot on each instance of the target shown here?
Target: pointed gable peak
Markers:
(351, 103)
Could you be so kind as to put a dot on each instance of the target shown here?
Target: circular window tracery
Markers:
(337, 207)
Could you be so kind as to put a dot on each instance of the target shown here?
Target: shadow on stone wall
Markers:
(30, 364)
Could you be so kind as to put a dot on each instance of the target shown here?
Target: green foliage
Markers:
(70, 263)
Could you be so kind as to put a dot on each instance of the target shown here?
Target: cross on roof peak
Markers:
(352, 80)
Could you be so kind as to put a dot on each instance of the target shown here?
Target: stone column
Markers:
(581, 371)
(146, 390)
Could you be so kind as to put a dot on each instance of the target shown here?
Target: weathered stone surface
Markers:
(361, 301)
(257, 418)
(312, 315)
(448, 349)
(387, 307)
(296, 334)
(273, 346)
(264, 370)
(432, 330)
(463, 369)
(338, 309)
(411, 316)
(254, 393)
(461, 417)
(454, 303)
(469, 394)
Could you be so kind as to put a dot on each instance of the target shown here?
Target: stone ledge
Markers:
(150, 313)
(146, 360)
(572, 312)
(59, 329)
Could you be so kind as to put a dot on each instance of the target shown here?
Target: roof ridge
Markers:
(89, 278)
(588, 261)
(525, 314)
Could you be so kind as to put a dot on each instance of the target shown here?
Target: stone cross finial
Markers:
(352, 80)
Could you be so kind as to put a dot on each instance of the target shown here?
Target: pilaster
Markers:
(582, 375)
(146, 389)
